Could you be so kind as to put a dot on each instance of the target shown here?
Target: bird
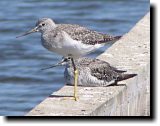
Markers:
(70, 40)
(92, 72)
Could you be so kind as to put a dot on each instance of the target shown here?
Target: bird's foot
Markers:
(76, 98)
(71, 98)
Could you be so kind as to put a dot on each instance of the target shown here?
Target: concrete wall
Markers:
(132, 53)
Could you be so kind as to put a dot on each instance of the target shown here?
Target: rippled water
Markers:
(22, 84)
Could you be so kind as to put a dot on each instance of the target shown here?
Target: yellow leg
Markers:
(75, 84)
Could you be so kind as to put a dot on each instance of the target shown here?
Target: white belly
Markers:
(76, 49)
(68, 46)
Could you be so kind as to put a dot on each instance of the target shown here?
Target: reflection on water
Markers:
(22, 84)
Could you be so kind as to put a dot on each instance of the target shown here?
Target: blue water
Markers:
(22, 84)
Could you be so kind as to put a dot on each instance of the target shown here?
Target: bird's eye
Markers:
(43, 24)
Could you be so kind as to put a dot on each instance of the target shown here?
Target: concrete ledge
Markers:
(132, 53)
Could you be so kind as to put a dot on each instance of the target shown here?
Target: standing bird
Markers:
(70, 40)
(92, 72)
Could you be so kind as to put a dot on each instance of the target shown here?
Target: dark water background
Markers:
(22, 84)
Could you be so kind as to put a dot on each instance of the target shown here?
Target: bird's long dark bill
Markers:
(29, 32)
(50, 67)
(55, 65)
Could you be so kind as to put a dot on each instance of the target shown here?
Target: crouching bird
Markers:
(92, 72)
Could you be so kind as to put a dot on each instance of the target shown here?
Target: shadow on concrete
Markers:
(60, 96)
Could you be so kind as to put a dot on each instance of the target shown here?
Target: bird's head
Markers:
(42, 25)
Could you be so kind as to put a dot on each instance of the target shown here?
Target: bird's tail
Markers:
(110, 39)
(125, 76)
(116, 38)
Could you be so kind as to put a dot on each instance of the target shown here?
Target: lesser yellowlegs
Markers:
(92, 72)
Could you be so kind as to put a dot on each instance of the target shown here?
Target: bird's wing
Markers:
(85, 35)
(103, 71)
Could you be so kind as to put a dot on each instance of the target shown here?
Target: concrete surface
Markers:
(132, 53)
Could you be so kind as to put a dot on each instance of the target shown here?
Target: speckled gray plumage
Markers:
(95, 72)
(85, 35)
(81, 33)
